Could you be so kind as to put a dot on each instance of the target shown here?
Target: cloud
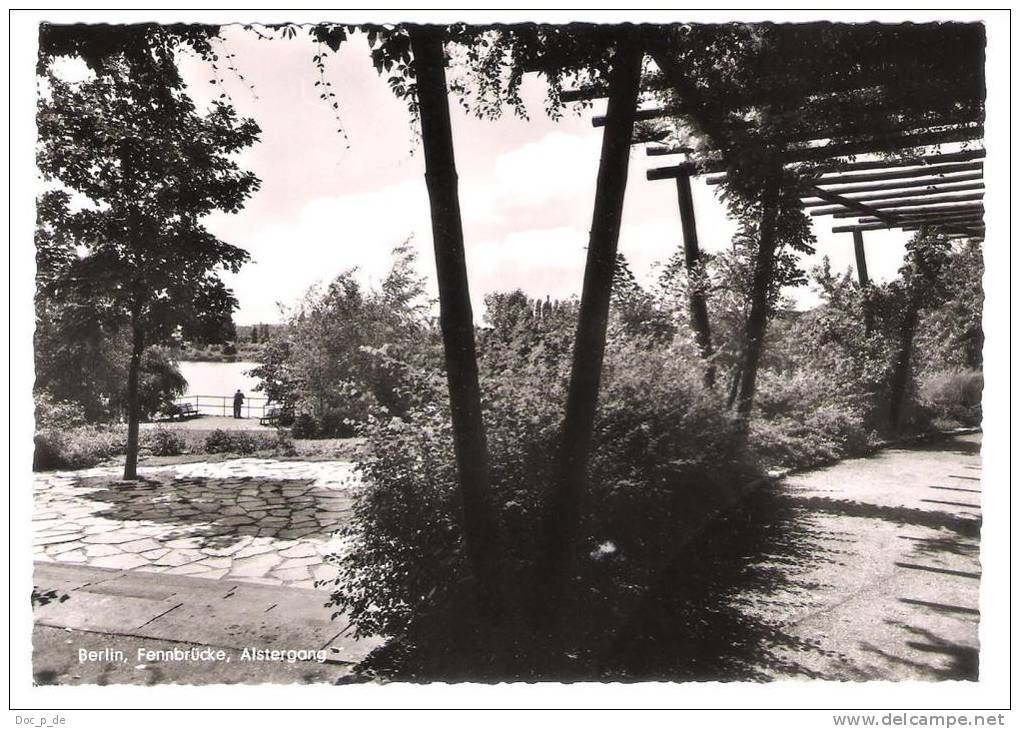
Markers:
(329, 235)
(525, 222)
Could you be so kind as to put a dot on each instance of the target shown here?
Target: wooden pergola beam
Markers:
(872, 198)
(929, 171)
(914, 224)
(928, 182)
(905, 226)
(879, 218)
(965, 155)
(910, 202)
(664, 151)
(599, 120)
(912, 212)
(849, 204)
(890, 143)
(934, 171)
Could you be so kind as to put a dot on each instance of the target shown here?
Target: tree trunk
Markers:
(695, 278)
(901, 368)
(758, 315)
(734, 384)
(564, 506)
(133, 405)
(456, 320)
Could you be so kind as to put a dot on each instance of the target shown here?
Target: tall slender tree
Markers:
(148, 166)
(590, 340)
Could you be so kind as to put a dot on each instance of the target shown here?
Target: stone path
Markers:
(253, 520)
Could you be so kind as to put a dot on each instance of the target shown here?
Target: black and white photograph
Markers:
(466, 350)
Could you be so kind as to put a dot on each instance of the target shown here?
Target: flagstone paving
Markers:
(251, 520)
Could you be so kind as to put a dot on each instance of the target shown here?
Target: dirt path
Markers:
(887, 587)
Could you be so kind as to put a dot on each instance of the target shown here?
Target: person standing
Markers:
(238, 402)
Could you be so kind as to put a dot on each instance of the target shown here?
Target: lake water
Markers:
(215, 380)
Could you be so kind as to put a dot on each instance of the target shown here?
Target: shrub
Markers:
(163, 442)
(57, 414)
(805, 418)
(953, 396)
(282, 445)
(245, 443)
(304, 426)
(78, 447)
(222, 441)
(665, 456)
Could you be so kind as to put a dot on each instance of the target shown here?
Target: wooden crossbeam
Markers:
(878, 197)
(906, 226)
(965, 155)
(929, 171)
(933, 171)
(663, 151)
(912, 212)
(957, 222)
(881, 218)
(849, 204)
(910, 202)
(928, 182)
(828, 151)
(599, 120)
(884, 144)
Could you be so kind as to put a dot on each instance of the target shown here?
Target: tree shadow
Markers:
(704, 620)
(964, 526)
(219, 512)
(958, 662)
(954, 545)
(947, 445)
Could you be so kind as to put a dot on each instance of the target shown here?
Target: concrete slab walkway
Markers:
(255, 520)
(96, 625)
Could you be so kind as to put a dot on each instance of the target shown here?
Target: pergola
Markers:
(903, 184)
(891, 138)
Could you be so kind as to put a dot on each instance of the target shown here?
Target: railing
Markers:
(224, 405)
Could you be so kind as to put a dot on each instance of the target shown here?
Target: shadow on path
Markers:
(704, 621)
(218, 511)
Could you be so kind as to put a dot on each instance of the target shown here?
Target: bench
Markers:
(186, 411)
(270, 417)
(181, 411)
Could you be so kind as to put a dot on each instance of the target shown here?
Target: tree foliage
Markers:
(337, 360)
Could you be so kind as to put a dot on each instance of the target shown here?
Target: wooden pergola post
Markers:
(568, 487)
(862, 279)
(862, 263)
(695, 277)
(455, 316)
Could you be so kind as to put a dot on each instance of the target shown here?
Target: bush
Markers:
(51, 413)
(805, 418)
(163, 442)
(78, 447)
(304, 426)
(222, 441)
(953, 396)
(665, 457)
(245, 443)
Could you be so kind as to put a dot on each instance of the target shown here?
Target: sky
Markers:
(333, 201)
